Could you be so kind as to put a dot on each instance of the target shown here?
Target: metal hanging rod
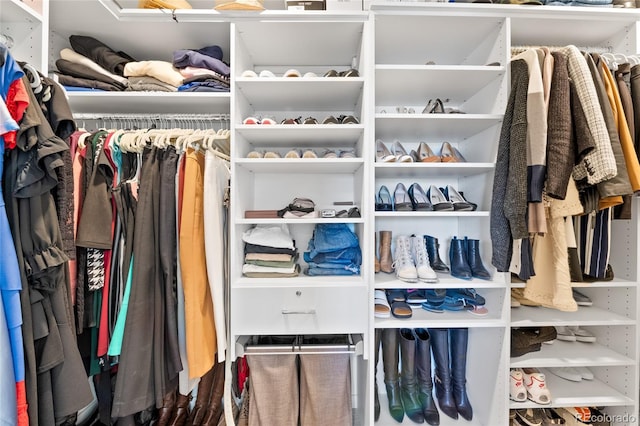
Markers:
(591, 49)
(252, 345)
(121, 116)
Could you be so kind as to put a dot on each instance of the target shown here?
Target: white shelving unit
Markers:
(407, 53)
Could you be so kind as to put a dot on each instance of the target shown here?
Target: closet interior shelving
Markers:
(391, 45)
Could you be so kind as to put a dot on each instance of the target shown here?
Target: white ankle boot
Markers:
(421, 260)
(402, 260)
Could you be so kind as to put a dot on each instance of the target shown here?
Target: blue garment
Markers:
(340, 257)
(329, 237)
(349, 267)
(82, 89)
(203, 86)
(324, 271)
(11, 71)
(190, 58)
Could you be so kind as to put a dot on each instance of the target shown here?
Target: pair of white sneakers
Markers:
(529, 383)
(411, 260)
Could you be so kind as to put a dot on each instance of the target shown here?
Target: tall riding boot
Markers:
(390, 355)
(423, 371)
(458, 260)
(475, 261)
(385, 252)
(179, 417)
(376, 264)
(442, 379)
(215, 408)
(202, 399)
(433, 249)
(408, 379)
(459, 339)
(376, 399)
(168, 405)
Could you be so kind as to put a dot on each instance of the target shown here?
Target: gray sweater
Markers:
(509, 198)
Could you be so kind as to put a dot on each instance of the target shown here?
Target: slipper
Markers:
(271, 154)
(401, 310)
(248, 73)
(255, 154)
(468, 294)
(382, 307)
(267, 74)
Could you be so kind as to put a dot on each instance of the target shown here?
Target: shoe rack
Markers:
(461, 60)
(302, 305)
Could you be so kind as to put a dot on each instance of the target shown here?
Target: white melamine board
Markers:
(440, 126)
(526, 316)
(302, 166)
(149, 102)
(571, 354)
(404, 170)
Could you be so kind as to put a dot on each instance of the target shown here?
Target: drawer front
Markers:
(299, 310)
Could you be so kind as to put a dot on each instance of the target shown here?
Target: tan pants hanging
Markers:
(199, 322)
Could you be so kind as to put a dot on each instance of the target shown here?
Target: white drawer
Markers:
(299, 310)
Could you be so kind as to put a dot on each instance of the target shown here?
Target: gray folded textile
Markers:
(149, 84)
(81, 71)
(68, 80)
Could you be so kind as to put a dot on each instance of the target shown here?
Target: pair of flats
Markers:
(424, 153)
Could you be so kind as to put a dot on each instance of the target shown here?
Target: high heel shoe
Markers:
(426, 155)
(383, 200)
(458, 201)
(383, 155)
(418, 198)
(438, 200)
(449, 154)
(401, 153)
(401, 200)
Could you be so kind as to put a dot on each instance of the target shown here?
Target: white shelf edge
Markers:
(299, 281)
(466, 320)
(571, 354)
(295, 127)
(444, 281)
(452, 214)
(453, 68)
(245, 221)
(418, 116)
(540, 316)
(616, 282)
(300, 80)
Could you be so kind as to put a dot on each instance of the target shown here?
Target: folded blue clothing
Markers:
(199, 87)
(190, 58)
(323, 271)
(343, 256)
(328, 237)
(350, 267)
(81, 89)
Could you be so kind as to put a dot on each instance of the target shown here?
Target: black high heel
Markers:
(383, 200)
(419, 199)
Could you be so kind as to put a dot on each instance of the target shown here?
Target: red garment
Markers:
(17, 102)
(21, 396)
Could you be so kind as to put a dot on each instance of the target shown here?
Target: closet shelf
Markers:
(526, 316)
(615, 283)
(302, 94)
(389, 281)
(424, 319)
(18, 11)
(416, 85)
(298, 221)
(572, 354)
(300, 281)
(283, 134)
(451, 214)
(587, 393)
(393, 170)
(433, 126)
(301, 165)
(149, 102)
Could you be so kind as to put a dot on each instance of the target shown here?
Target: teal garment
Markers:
(115, 346)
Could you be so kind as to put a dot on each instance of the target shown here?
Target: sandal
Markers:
(434, 106)
(382, 307)
(401, 310)
(536, 385)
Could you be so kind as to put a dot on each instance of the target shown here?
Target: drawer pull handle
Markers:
(303, 312)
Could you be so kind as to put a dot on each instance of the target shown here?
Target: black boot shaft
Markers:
(475, 261)
(408, 379)
(442, 379)
(458, 259)
(423, 372)
(459, 338)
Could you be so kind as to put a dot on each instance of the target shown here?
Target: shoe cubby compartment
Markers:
(486, 382)
(417, 39)
(307, 306)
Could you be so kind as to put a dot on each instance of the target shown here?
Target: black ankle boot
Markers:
(423, 371)
(458, 259)
(433, 250)
(390, 358)
(459, 338)
(475, 261)
(442, 379)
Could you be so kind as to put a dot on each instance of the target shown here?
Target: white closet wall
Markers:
(29, 30)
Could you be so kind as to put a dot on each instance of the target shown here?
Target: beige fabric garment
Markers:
(161, 70)
(551, 286)
(274, 389)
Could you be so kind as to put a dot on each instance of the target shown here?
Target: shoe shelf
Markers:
(400, 170)
(528, 316)
(149, 102)
(282, 134)
(389, 281)
(437, 126)
(301, 165)
(572, 354)
(417, 214)
(586, 393)
(615, 283)
(296, 93)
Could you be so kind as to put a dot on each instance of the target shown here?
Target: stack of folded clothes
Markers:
(334, 249)
(92, 65)
(203, 69)
(270, 252)
(587, 3)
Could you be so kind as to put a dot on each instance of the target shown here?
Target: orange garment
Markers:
(626, 141)
(199, 321)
